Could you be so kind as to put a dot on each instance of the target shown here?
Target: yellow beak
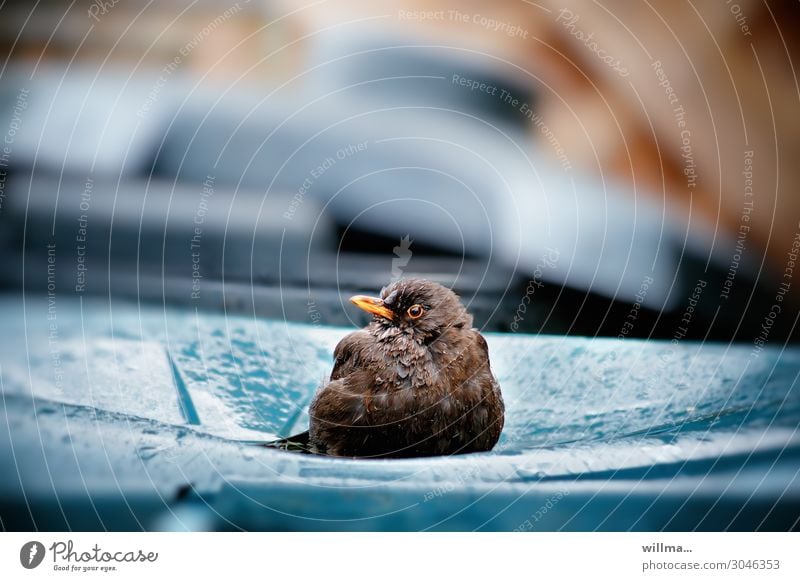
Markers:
(372, 305)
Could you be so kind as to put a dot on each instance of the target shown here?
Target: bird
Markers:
(415, 382)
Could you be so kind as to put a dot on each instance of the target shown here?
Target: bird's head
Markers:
(416, 305)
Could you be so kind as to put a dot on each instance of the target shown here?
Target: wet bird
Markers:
(416, 381)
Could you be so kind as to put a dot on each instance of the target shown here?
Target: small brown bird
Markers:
(415, 381)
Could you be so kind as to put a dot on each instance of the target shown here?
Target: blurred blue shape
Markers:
(384, 141)
(133, 417)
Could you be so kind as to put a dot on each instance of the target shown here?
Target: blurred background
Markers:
(567, 167)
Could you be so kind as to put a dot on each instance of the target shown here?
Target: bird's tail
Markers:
(297, 443)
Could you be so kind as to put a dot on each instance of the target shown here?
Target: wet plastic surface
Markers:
(127, 417)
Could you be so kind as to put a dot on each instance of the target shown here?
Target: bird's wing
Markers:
(481, 342)
(347, 352)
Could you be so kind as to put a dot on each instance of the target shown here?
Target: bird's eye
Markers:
(415, 311)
